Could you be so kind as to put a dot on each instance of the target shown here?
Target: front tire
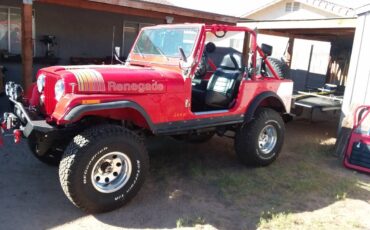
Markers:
(103, 168)
(259, 142)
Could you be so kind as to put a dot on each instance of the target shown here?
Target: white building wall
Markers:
(277, 12)
(307, 71)
(358, 83)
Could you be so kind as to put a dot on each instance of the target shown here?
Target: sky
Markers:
(240, 7)
(227, 7)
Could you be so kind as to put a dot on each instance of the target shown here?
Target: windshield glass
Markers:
(166, 41)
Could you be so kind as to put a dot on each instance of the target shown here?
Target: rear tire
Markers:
(103, 168)
(259, 142)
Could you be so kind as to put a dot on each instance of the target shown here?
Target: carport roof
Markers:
(315, 29)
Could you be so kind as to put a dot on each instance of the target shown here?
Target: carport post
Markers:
(289, 51)
(27, 43)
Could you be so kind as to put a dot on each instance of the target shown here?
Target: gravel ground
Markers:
(31, 197)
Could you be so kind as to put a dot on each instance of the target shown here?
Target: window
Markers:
(296, 6)
(288, 7)
(11, 30)
(292, 6)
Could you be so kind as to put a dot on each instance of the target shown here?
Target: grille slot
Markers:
(49, 94)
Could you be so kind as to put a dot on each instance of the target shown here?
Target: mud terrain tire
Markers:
(259, 142)
(111, 152)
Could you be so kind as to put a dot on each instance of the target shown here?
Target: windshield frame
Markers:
(161, 58)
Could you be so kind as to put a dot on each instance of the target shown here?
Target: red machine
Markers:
(90, 120)
(357, 155)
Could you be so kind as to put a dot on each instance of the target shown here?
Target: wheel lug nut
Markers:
(118, 164)
(106, 179)
(115, 174)
(97, 178)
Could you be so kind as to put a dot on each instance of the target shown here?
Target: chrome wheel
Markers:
(267, 139)
(111, 172)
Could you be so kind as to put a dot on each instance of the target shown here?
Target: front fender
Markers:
(79, 111)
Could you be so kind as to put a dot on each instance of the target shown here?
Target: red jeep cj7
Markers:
(188, 81)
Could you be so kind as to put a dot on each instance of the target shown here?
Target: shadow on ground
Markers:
(189, 184)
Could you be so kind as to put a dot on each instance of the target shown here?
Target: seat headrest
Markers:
(210, 47)
(231, 61)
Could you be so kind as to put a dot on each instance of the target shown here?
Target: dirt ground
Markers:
(202, 186)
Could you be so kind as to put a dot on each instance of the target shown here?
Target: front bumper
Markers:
(23, 118)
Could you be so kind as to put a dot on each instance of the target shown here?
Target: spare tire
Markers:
(280, 67)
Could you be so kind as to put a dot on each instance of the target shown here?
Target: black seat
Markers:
(223, 86)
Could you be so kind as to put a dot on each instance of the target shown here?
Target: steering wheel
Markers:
(202, 67)
(201, 70)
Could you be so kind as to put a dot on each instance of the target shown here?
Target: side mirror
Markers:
(117, 53)
(267, 49)
(185, 63)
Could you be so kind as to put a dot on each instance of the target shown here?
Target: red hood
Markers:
(116, 79)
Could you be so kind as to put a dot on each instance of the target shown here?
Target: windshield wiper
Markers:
(139, 52)
(161, 52)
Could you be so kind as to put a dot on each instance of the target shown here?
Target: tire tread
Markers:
(76, 148)
(244, 146)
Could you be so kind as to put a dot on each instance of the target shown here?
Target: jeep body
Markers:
(158, 91)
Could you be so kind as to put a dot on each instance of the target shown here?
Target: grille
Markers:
(49, 94)
(360, 155)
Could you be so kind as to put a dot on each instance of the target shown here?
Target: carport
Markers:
(338, 31)
(341, 33)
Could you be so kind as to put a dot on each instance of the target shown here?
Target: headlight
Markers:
(17, 93)
(59, 89)
(40, 82)
(14, 91)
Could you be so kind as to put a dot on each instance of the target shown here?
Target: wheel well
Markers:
(273, 103)
(114, 111)
(117, 116)
(266, 99)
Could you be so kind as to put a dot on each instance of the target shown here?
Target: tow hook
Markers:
(3, 126)
(6, 125)
(1, 137)
(2, 130)
(17, 135)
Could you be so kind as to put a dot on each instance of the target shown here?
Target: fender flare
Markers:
(76, 112)
(257, 101)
